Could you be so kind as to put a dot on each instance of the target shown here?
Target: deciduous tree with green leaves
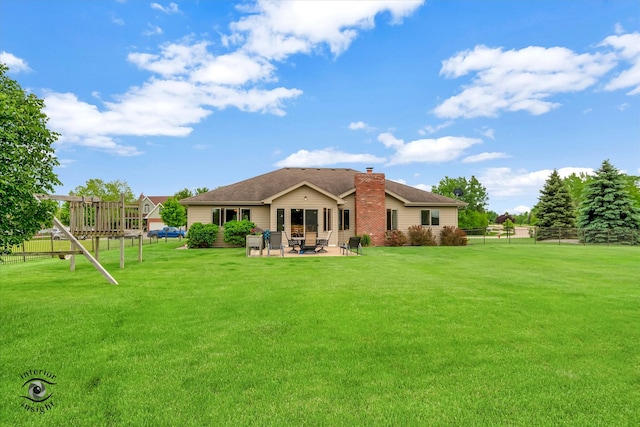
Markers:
(173, 213)
(607, 212)
(474, 194)
(27, 160)
(108, 191)
(555, 208)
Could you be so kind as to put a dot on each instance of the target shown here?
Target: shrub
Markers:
(453, 236)
(365, 240)
(235, 232)
(395, 238)
(419, 236)
(202, 235)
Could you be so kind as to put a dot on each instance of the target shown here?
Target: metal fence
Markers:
(33, 249)
(559, 236)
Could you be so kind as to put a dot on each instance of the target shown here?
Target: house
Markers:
(151, 206)
(344, 201)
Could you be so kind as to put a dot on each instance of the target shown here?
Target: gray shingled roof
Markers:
(335, 181)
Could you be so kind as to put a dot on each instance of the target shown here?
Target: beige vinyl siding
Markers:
(201, 214)
(259, 216)
(408, 216)
(345, 235)
(204, 215)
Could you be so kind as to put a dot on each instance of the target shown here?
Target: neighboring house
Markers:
(344, 201)
(151, 206)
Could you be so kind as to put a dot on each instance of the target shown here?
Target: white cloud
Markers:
(502, 183)
(424, 187)
(152, 30)
(517, 80)
(15, 64)
(276, 30)
(360, 126)
(234, 69)
(482, 157)
(433, 129)
(117, 21)
(628, 48)
(190, 83)
(488, 132)
(173, 59)
(200, 147)
(64, 163)
(326, 157)
(520, 209)
(624, 106)
(426, 150)
(169, 10)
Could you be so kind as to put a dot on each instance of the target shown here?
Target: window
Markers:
(425, 217)
(280, 220)
(216, 217)
(435, 217)
(311, 219)
(245, 214)
(392, 219)
(343, 219)
(230, 215)
(297, 223)
(430, 217)
(327, 219)
(146, 208)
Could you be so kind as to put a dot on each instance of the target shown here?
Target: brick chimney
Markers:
(371, 212)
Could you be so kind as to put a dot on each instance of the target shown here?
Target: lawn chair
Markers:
(310, 242)
(324, 242)
(353, 245)
(275, 243)
(292, 242)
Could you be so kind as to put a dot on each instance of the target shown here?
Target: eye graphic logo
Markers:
(37, 390)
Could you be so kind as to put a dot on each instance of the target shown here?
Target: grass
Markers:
(479, 335)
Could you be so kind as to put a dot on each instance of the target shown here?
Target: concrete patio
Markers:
(330, 251)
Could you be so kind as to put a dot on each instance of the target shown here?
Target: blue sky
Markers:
(167, 95)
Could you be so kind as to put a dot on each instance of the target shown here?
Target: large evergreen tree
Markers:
(555, 209)
(607, 212)
(27, 161)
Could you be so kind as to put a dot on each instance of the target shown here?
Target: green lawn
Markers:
(479, 335)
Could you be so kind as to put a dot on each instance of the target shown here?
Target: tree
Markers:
(183, 194)
(201, 190)
(575, 184)
(27, 160)
(107, 191)
(607, 212)
(555, 208)
(473, 193)
(173, 213)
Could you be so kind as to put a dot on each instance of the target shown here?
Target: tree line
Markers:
(607, 200)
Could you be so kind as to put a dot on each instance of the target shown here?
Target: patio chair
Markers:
(292, 242)
(275, 243)
(310, 242)
(352, 245)
(321, 243)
